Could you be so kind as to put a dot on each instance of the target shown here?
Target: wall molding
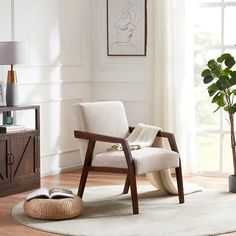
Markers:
(49, 155)
(76, 64)
(80, 81)
(139, 102)
(61, 170)
(61, 162)
(55, 100)
(128, 81)
(127, 101)
(125, 65)
(73, 164)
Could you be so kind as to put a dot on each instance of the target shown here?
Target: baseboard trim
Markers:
(61, 170)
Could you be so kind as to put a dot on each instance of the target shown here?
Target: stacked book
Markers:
(11, 128)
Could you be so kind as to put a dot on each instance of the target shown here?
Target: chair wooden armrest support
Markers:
(178, 170)
(169, 136)
(108, 139)
(97, 137)
(130, 170)
(171, 140)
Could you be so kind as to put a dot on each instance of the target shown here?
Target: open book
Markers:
(53, 193)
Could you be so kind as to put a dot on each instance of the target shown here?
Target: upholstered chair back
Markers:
(106, 118)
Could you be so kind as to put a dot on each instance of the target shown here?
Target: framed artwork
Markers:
(126, 27)
(2, 95)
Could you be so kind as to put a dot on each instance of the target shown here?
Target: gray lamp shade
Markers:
(12, 53)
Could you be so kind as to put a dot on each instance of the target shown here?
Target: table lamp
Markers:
(12, 53)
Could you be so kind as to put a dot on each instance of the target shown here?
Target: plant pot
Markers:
(232, 183)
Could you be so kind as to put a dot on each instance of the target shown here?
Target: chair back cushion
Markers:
(106, 118)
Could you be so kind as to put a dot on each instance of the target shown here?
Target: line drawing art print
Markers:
(126, 27)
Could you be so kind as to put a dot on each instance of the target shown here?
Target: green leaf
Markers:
(206, 73)
(229, 62)
(225, 81)
(212, 64)
(208, 79)
(226, 71)
(216, 72)
(234, 91)
(219, 99)
(234, 108)
(212, 89)
(226, 108)
(229, 109)
(232, 81)
(222, 85)
(233, 73)
(223, 57)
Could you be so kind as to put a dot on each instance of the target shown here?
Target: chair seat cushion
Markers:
(145, 160)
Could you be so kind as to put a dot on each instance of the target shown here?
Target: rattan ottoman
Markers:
(54, 209)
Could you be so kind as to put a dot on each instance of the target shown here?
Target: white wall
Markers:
(68, 64)
(59, 72)
(119, 78)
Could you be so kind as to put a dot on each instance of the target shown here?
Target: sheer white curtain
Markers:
(173, 77)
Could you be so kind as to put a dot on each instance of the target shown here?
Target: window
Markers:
(214, 34)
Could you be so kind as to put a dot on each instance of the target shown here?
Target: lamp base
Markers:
(12, 89)
(12, 95)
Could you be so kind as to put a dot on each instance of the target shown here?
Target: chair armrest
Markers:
(169, 136)
(171, 139)
(109, 139)
(97, 137)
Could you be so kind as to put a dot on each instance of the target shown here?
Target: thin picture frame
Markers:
(2, 94)
(126, 28)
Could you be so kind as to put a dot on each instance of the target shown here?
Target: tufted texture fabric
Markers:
(106, 118)
(54, 209)
(145, 160)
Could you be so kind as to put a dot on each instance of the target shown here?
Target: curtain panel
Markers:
(173, 80)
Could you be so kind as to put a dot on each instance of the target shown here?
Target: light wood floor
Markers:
(8, 227)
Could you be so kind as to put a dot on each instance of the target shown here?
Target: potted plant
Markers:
(221, 81)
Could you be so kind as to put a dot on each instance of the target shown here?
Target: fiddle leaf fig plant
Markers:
(221, 80)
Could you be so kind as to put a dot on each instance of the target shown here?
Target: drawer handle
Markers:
(11, 159)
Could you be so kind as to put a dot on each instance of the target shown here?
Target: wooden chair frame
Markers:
(130, 170)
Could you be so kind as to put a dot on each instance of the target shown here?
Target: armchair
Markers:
(104, 123)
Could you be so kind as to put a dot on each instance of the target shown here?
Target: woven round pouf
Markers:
(54, 209)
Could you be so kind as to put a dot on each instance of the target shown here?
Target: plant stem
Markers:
(232, 134)
(231, 117)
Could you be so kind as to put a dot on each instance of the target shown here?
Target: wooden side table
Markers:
(20, 155)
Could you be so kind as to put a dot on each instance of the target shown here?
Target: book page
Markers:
(60, 193)
(40, 193)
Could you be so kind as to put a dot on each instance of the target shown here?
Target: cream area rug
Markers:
(107, 212)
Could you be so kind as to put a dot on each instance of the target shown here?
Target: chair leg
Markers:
(179, 179)
(133, 187)
(87, 163)
(82, 183)
(126, 187)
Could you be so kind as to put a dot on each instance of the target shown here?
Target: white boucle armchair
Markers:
(105, 123)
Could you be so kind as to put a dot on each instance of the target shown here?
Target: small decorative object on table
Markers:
(53, 204)
(9, 120)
